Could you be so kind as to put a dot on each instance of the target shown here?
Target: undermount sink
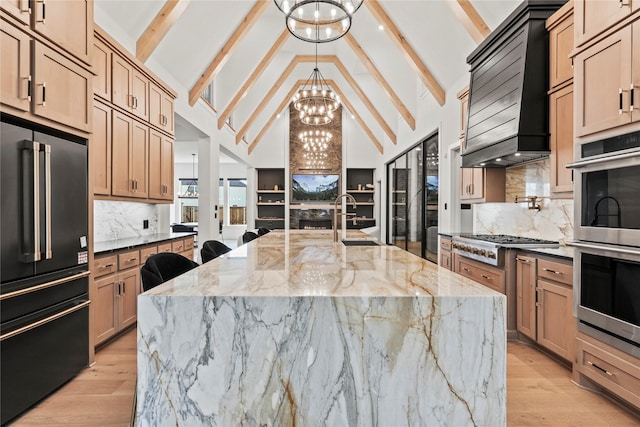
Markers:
(359, 242)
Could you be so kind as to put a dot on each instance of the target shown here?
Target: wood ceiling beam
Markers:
(396, 35)
(364, 126)
(395, 99)
(158, 28)
(257, 72)
(321, 58)
(287, 100)
(470, 19)
(267, 98)
(365, 100)
(274, 116)
(221, 58)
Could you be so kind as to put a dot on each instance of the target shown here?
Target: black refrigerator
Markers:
(44, 325)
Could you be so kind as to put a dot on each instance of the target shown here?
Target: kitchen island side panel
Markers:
(314, 360)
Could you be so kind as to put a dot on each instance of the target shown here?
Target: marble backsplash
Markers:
(118, 220)
(554, 220)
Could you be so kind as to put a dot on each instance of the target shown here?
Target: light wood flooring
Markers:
(539, 393)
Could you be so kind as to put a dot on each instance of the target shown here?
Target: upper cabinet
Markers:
(133, 127)
(561, 29)
(463, 96)
(595, 16)
(129, 87)
(67, 23)
(605, 82)
(52, 20)
(42, 77)
(160, 108)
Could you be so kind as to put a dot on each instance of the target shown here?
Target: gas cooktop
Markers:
(504, 239)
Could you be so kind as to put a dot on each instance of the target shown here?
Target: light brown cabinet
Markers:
(116, 286)
(605, 79)
(68, 23)
(561, 141)
(160, 166)
(482, 185)
(445, 259)
(608, 367)
(561, 36)
(15, 67)
(463, 96)
(129, 151)
(40, 80)
(595, 16)
(129, 87)
(526, 295)
(485, 274)
(101, 149)
(160, 109)
(102, 67)
(19, 9)
(544, 295)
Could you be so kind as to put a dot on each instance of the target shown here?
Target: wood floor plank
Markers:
(539, 393)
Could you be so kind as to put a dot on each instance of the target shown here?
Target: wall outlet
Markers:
(145, 224)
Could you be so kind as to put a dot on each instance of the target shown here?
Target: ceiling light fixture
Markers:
(318, 21)
(316, 102)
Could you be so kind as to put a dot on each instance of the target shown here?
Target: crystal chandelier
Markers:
(318, 21)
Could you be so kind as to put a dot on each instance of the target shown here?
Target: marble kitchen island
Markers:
(293, 329)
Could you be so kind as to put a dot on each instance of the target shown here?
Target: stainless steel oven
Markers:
(607, 191)
(607, 280)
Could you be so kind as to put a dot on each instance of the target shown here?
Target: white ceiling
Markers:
(429, 26)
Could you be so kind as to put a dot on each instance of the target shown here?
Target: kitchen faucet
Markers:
(335, 212)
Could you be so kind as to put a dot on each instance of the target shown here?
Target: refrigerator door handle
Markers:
(48, 254)
(35, 255)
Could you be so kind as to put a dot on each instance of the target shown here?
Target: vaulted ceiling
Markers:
(397, 53)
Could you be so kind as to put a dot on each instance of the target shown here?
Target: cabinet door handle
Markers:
(119, 288)
(524, 261)
(124, 287)
(620, 111)
(611, 374)
(28, 79)
(44, 12)
(484, 276)
(466, 269)
(624, 3)
(631, 94)
(135, 102)
(552, 271)
(22, 9)
(44, 94)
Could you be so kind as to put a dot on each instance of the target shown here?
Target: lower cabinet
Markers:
(544, 298)
(608, 368)
(117, 284)
(115, 292)
(445, 259)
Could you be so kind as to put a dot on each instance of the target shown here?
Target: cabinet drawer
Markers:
(128, 259)
(188, 244)
(164, 247)
(145, 253)
(445, 244)
(177, 246)
(105, 265)
(490, 278)
(606, 367)
(555, 271)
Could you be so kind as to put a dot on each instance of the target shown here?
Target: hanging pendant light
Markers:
(318, 21)
(316, 102)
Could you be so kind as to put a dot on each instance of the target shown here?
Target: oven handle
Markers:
(44, 321)
(583, 163)
(605, 248)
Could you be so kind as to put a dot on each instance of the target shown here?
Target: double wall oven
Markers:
(607, 234)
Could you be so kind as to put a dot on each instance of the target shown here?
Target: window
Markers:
(207, 94)
(237, 201)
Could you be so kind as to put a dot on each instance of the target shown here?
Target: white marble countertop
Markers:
(291, 263)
